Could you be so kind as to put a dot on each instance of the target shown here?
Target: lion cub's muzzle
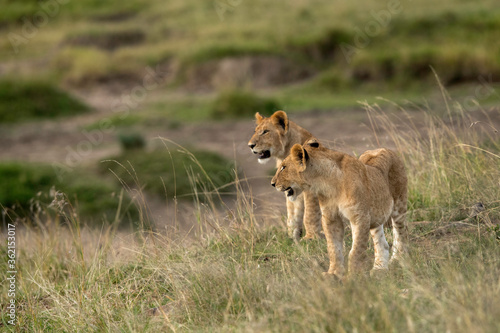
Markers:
(288, 190)
(262, 155)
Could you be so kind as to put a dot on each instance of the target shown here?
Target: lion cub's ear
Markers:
(280, 118)
(299, 156)
(258, 118)
(312, 143)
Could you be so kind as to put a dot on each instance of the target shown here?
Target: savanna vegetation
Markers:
(90, 255)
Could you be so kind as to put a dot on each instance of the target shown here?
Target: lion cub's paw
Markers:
(379, 273)
(313, 237)
(332, 276)
(308, 238)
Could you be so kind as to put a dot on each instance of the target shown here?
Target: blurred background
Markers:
(95, 96)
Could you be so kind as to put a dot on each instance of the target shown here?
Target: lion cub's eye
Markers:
(283, 168)
(264, 132)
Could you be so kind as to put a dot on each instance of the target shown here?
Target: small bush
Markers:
(23, 100)
(239, 104)
(322, 47)
(174, 173)
(132, 141)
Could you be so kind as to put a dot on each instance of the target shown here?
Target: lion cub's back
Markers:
(381, 159)
(392, 167)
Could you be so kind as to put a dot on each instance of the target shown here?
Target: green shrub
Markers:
(132, 141)
(322, 47)
(239, 104)
(174, 173)
(24, 184)
(22, 100)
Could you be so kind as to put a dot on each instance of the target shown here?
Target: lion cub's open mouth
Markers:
(289, 192)
(265, 154)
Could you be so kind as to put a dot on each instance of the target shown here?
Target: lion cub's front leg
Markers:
(312, 216)
(295, 217)
(360, 227)
(333, 227)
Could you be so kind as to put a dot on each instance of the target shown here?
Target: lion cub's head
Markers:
(269, 137)
(293, 173)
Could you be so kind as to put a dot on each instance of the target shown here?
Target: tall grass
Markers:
(236, 275)
(453, 162)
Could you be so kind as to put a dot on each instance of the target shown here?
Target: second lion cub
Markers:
(368, 192)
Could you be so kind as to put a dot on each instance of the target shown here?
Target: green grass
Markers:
(23, 100)
(28, 188)
(173, 173)
(116, 121)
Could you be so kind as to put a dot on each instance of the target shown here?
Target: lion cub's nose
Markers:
(251, 145)
(273, 184)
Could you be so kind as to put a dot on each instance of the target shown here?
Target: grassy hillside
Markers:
(303, 55)
(362, 42)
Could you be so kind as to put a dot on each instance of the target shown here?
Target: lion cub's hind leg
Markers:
(381, 248)
(400, 236)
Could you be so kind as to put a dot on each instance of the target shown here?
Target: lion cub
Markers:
(368, 192)
(273, 137)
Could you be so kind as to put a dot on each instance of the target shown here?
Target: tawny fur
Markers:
(277, 134)
(368, 192)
